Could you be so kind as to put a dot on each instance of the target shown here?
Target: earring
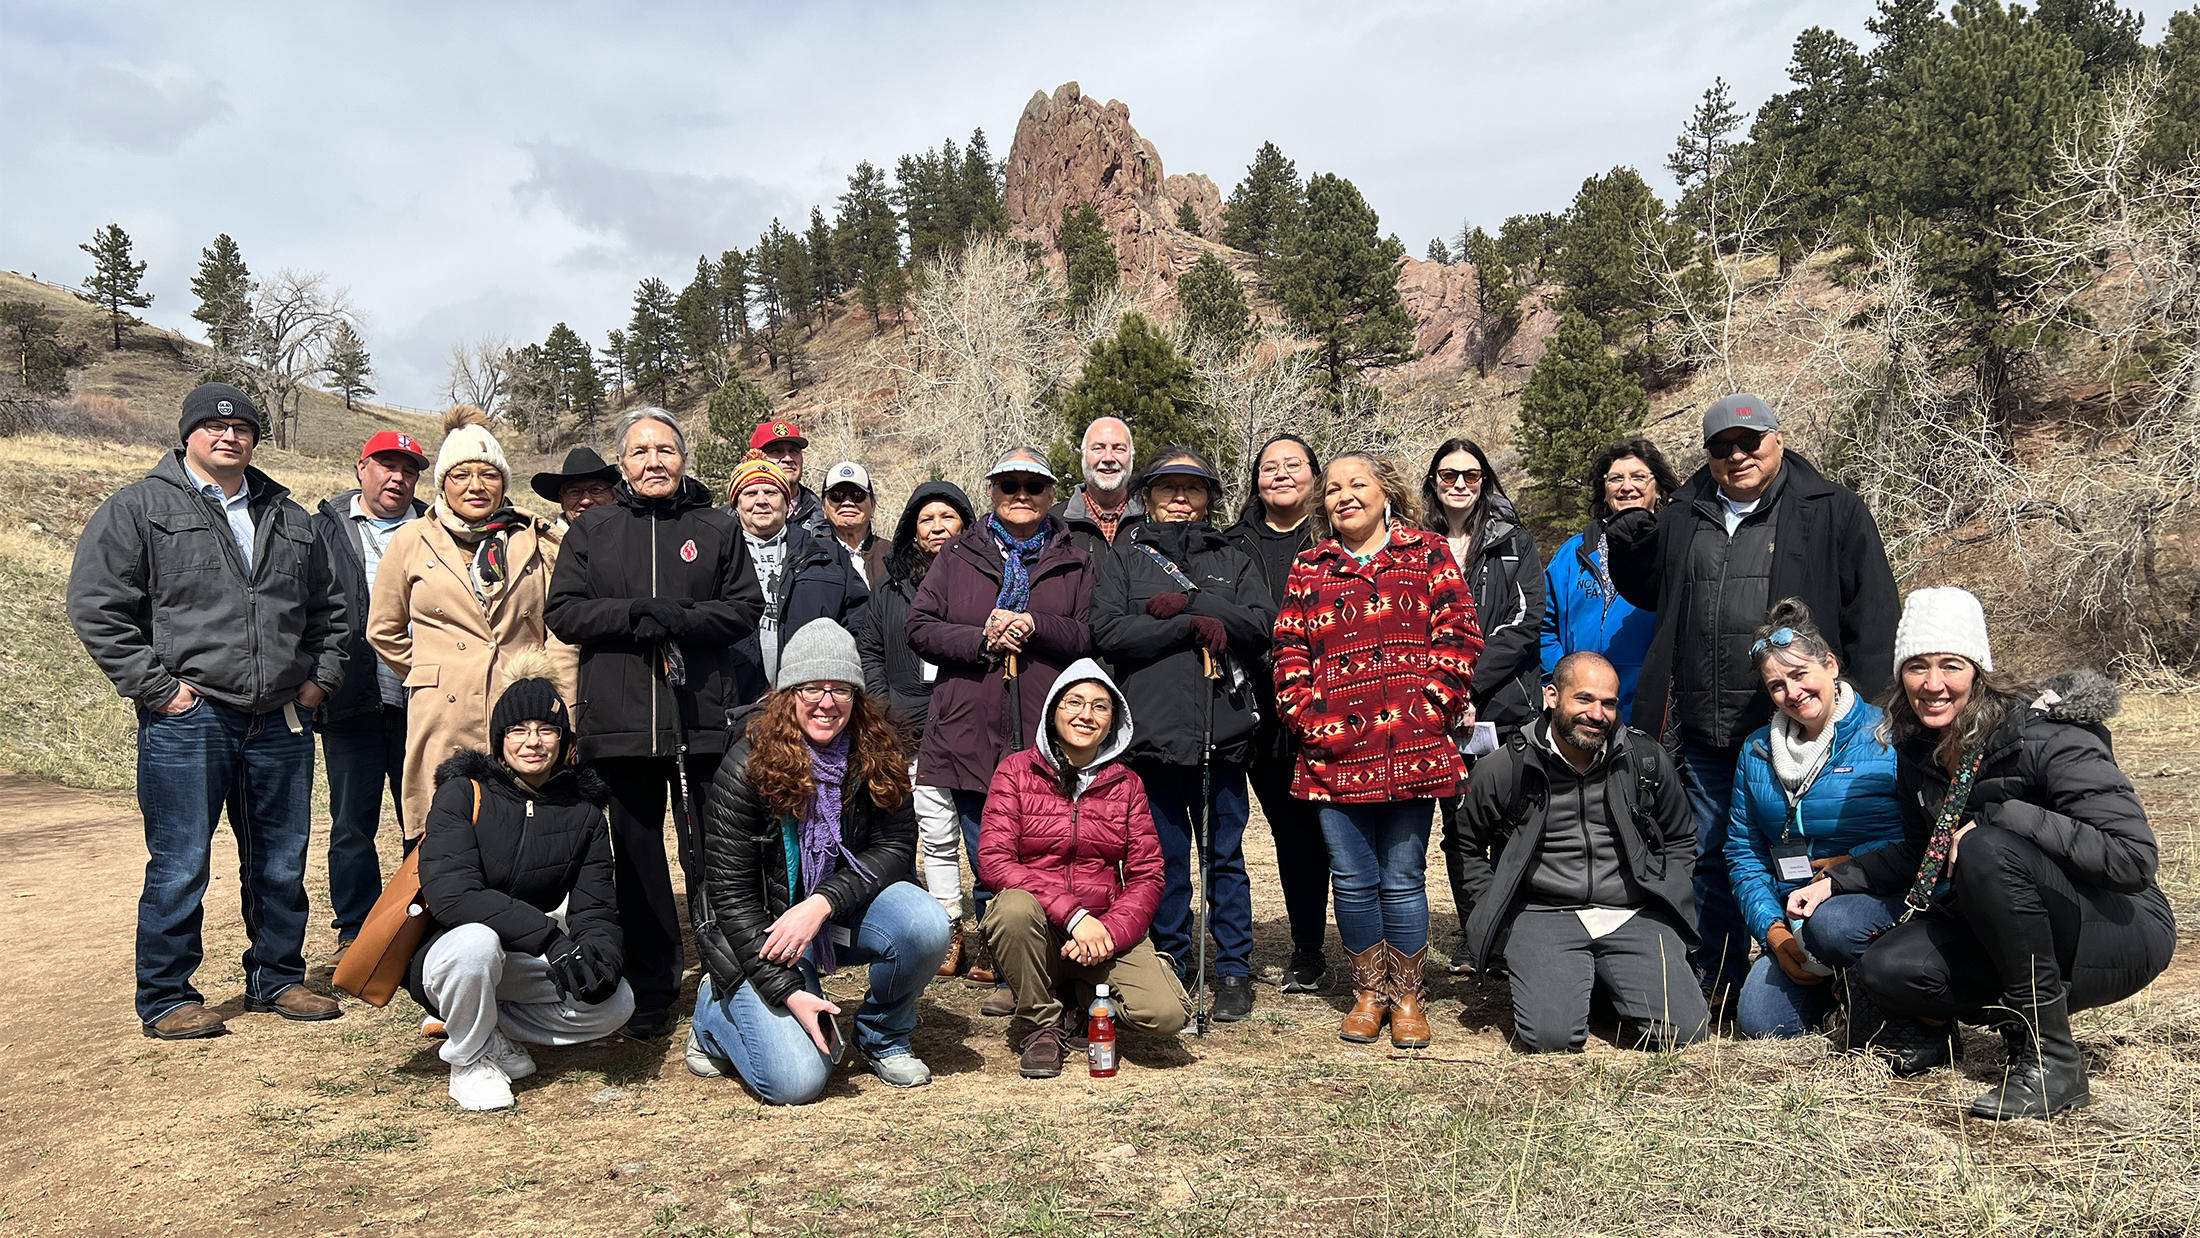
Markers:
(1386, 515)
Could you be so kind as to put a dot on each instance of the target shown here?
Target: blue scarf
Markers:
(1017, 559)
(818, 831)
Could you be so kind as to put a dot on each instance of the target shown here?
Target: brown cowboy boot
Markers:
(1370, 1003)
(1408, 993)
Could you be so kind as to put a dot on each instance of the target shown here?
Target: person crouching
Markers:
(1069, 848)
(510, 837)
(808, 834)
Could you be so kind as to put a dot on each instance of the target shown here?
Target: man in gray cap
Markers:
(1755, 525)
(204, 595)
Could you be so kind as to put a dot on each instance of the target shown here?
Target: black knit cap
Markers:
(209, 401)
(530, 700)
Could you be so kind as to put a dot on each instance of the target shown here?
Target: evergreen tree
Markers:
(1438, 251)
(919, 193)
(579, 387)
(1187, 218)
(1215, 311)
(653, 356)
(1498, 296)
(1703, 159)
(1336, 278)
(41, 362)
(1903, 28)
(1137, 375)
(733, 293)
(2110, 38)
(224, 289)
(825, 282)
(1599, 250)
(869, 240)
(983, 193)
(1578, 399)
(1820, 135)
(736, 409)
(698, 319)
(615, 351)
(2176, 132)
(348, 364)
(1529, 244)
(1088, 253)
(115, 279)
(1264, 208)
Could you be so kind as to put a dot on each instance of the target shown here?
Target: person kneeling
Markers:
(1069, 848)
(509, 839)
(809, 830)
(1580, 850)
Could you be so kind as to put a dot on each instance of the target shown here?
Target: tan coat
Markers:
(447, 644)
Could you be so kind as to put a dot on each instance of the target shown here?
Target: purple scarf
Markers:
(818, 831)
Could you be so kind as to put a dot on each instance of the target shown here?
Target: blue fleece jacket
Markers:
(1850, 809)
(1581, 611)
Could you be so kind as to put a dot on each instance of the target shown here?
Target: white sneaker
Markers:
(901, 1070)
(702, 1065)
(510, 1056)
(480, 1085)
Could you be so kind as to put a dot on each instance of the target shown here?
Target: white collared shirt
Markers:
(237, 507)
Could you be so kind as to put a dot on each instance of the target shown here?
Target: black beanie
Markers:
(208, 401)
(530, 700)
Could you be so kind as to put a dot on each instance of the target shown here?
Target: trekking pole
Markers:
(1203, 832)
(673, 665)
(1015, 704)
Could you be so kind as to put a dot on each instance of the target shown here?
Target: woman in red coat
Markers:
(1069, 847)
(1375, 651)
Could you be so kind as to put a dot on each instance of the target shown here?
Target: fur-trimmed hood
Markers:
(571, 785)
(2082, 696)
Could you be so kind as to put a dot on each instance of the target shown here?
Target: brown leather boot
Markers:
(981, 963)
(953, 962)
(186, 1022)
(1370, 1000)
(1408, 998)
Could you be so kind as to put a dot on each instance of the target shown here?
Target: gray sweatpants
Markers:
(480, 987)
(1642, 965)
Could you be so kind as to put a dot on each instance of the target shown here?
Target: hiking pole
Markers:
(1203, 833)
(1015, 704)
(673, 665)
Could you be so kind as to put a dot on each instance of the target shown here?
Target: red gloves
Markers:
(1168, 605)
(1209, 633)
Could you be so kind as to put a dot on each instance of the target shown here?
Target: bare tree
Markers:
(480, 373)
(296, 318)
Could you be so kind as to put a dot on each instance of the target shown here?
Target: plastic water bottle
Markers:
(1100, 1035)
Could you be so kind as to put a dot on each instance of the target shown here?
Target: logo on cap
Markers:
(224, 407)
(687, 551)
(405, 443)
(782, 429)
(1745, 411)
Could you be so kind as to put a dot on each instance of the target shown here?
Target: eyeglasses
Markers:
(240, 430)
(1630, 479)
(1282, 468)
(812, 693)
(1454, 477)
(532, 731)
(467, 477)
(1078, 709)
(1778, 638)
(591, 490)
(1035, 486)
(1747, 441)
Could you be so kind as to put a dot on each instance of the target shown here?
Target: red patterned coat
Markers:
(1373, 661)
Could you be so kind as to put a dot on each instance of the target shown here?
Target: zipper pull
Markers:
(530, 808)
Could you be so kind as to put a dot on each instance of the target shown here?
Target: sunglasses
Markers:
(1778, 638)
(1454, 477)
(845, 495)
(1032, 486)
(1747, 442)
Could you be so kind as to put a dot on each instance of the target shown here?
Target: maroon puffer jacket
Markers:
(1098, 852)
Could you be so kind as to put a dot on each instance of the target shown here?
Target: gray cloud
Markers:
(112, 105)
(665, 215)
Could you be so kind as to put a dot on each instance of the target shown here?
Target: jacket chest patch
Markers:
(687, 551)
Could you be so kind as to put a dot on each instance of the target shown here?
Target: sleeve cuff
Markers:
(1075, 918)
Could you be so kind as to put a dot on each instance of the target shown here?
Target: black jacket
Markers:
(511, 866)
(1157, 661)
(746, 870)
(680, 548)
(1502, 816)
(892, 671)
(1084, 532)
(2049, 775)
(1506, 579)
(1828, 554)
(159, 595)
(1272, 739)
(817, 581)
(362, 690)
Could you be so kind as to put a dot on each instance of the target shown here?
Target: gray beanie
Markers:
(820, 652)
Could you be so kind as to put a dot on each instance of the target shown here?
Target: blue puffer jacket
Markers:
(1578, 615)
(1849, 810)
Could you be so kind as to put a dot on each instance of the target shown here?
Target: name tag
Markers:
(927, 672)
(1792, 860)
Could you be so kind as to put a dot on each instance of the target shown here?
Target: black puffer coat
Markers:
(511, 866)
(817, 581)
(1272, 739)
(746, 870)
(892, 671)
(1506, 579)
(2049, 776)
(1157, 660)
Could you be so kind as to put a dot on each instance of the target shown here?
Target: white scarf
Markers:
(1796, 761)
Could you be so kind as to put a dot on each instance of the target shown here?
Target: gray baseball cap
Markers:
(1741, 411)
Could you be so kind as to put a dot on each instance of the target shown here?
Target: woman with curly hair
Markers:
(808, 834)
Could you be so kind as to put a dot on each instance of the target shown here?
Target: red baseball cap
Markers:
(774, 432)
(394, 440)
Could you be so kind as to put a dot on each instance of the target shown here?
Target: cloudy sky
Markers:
(484, 168)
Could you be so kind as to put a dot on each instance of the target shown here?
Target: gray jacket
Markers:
(159, 594)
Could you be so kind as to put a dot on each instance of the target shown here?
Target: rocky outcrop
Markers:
(1205, 198)
(1445, 301)
(1069, 150)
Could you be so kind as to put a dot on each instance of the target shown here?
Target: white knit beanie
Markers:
(466, 440)
(1942, 620)
(821, 652)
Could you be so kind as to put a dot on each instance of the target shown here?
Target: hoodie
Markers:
(892, 671)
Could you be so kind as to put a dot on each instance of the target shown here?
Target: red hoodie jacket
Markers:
(1373, 662)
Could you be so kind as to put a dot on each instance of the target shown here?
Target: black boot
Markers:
(2045, 1074)
(1910, 1047)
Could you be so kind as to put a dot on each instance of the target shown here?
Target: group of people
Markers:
(1082, 693)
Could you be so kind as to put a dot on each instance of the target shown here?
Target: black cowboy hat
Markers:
(581, 464)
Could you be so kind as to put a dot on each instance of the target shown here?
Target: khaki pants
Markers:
(1027, 948)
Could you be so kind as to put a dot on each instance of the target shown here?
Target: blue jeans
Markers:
(903, 936)
(969, 811)
(1172, 792)
(1722, 961)
(1770, 1004)
(189, 764)
(1378, 864)
(364, 754)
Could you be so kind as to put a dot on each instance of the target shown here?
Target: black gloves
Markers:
(1208, 633)
(657, 618)
(1168, 605)
(1632, 526)
(603, 964)
(579, 970)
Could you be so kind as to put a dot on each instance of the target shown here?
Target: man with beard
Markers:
(1104, 506)
(1580, 848)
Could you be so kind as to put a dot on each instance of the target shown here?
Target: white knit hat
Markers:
(1943, 620)
(466, 440)
(820, 652)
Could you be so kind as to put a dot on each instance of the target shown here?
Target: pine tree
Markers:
(41, 362)
(1137, 375)
(1599, 248)
(1265, 206)
(919, 193)
(825, 282)
(1213, 300)
(1578, 399)
(733, 293)
(698, 319)
(2176, 132)
(1702, 156)
(982, 190)
(869, 241)
(579, 385)
(653, 356)
(1088, 253)
(1187, 218)
(1336, 278)
(1499, 296)
(114, 282)
(2110, 38)
(615, 351)
(736, 409)
(348, 364)
(1438, 251)
(1529, 244)
(224, 288)
(1819, 135)
(1903, 27)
